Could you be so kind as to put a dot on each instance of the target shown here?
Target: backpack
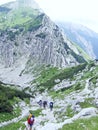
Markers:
(51, 104)
(31, 121)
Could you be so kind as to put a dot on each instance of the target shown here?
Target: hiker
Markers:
(27, 123)
(30, 121)
(51, 105)
(44, 104)
(40, 103)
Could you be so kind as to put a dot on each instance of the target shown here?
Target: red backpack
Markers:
(31, 121)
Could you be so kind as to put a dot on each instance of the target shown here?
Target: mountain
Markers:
(83, 36)
(30, 40)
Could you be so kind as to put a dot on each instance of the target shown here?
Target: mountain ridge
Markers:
(83, 36)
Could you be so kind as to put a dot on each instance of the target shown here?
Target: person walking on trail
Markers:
(31, 121)
(51, 105)
(44, 104)
(40, 103)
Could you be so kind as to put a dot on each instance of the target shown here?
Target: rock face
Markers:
(46, 45)
(84, 37)
(43, 43)
(28, 34)
(50, 46)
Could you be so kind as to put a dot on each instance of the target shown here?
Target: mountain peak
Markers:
(28, 3)
(22, 4)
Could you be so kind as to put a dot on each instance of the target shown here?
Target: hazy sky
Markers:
(5, 1)
(79, 11)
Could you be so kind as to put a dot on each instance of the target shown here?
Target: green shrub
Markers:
(87, 103)
(67, 73)
(7, 94)
(14, 126)
(78, 86)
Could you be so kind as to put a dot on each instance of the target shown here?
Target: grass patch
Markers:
(36, 113)
(17, 17)
(55, 94)
(8, 116)
(9, 99)
(60, 94)
(67, 73)
(87, 103)
(46, 74)
(69, 112)
(14, 126)
(87, 75)
(82, 124)
(94, 79)
(27, 100)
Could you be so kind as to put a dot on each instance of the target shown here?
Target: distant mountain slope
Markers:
(84, 37)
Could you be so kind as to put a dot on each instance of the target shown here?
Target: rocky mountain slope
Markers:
(29, 39)
(83, 36)
(75, 101)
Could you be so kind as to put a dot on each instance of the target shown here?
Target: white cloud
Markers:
(5, 1)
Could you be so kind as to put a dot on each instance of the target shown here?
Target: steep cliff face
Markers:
(28, 34)
(44, 43)
(49, 46)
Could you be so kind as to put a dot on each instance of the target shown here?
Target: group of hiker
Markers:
(30, 119)
(44, 104)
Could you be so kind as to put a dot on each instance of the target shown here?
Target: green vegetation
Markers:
(60, 115)
(94, 79)
(87, 75)
(87, 103)
(14, 126)
(64, 113)
(33, 24)
(69, 112)
(43, 122)
(75, 87)
(6, 95)
(79, 58)
(83, 52)
(46, 74)
(60, 94)
(36, 113)
(92, 74)
(90, 65)
(48, 81)
(17, 17)
(19, 21)
(55, 94)
(82, 124)
(5, 116)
